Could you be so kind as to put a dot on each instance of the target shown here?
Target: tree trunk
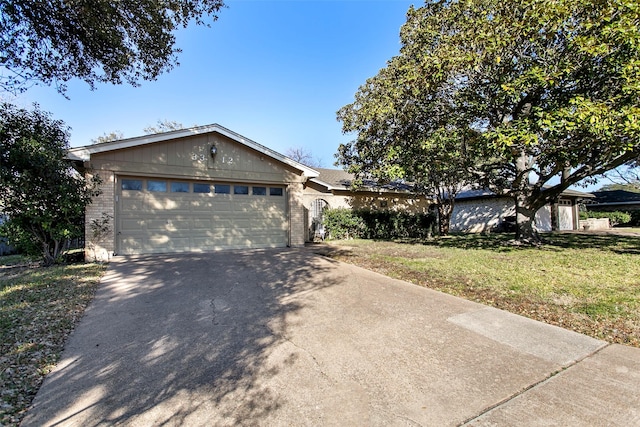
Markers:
(525, 217)
(445, 208)
(48, 259)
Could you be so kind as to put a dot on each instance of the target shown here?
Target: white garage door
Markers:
(161, 215)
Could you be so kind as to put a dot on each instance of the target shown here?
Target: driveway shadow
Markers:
(169, 337)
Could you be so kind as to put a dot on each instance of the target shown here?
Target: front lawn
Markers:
(38, 309)
(587, 283)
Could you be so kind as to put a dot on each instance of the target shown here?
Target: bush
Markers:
(367, 224)
(342, 223)
(615, 218)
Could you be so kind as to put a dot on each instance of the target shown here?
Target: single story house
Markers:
(208, 188)
(193, 190)
(478, 211)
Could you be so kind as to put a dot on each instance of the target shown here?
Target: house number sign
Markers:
(196, 157)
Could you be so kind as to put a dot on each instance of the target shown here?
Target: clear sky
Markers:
(274, 71)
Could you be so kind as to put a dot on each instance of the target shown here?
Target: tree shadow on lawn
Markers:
(169, 340)
(504, 242)
(618, 243)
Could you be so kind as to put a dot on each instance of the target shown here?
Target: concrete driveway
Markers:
(287, 337)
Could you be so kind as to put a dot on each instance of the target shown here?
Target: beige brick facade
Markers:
(296, 215)
(101, 248)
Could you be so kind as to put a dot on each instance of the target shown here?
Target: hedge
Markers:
(615, 218)
(344, 223)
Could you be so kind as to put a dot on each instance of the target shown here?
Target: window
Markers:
(156, 185)
(259, 191)
(201, 188)
(132, 184)
(222, 188)
(273, 191)
(179, 187)
(240, 189)
(317, 207)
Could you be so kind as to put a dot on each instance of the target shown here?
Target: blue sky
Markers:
(273, 71)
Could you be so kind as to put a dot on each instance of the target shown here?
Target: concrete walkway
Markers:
(286, 337)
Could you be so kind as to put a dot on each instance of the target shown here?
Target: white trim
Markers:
(84, 153)
(328, 186)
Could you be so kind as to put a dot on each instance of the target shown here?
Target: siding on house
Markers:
(190, 220)
(483, 214)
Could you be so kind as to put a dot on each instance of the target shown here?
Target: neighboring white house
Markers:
(478, 211)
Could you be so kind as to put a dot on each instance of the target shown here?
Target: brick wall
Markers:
(296, 215)
(103, 249)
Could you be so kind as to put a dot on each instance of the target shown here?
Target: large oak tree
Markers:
(54, 41)
(549, 91)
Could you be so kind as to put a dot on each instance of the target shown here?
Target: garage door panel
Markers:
(155, 225)
(221, 224)
(202, 205)
(133, 245)
(179, 224)
(202, 224)
(132, 205)
(131, 224)
(223, 206)
(156, 222)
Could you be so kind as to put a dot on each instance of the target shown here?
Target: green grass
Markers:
(588, 283)
(38, 309)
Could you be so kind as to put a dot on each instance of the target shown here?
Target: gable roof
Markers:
(84, 153)
(338, 179)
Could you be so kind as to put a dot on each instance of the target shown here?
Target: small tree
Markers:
(304, 156)
(163, 126)
(108, 137)
(43, 197)
(100, 229)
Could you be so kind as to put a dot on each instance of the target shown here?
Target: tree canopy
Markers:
(96, 41)
(41, 195)
(549, 91)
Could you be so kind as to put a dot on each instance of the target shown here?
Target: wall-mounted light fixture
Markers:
(213, 150)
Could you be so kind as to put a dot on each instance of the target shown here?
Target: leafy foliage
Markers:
(342, 223)
(615, 217)
(537, 90)
(98, 41)
(372, 224)
(41, 195)
(100, 229)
